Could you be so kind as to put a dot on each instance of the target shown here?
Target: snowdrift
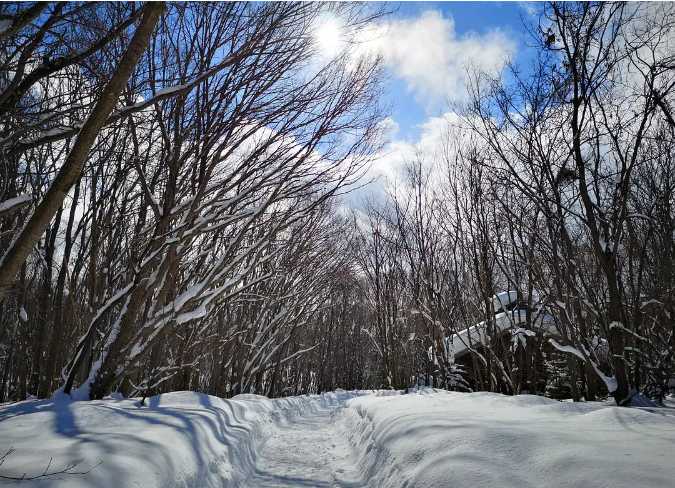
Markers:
(442, 439)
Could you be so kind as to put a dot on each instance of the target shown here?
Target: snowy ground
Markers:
(341, 439)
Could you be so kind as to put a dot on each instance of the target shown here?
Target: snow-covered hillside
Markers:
(380, 439)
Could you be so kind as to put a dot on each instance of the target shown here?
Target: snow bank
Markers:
(430, 438)
(437, 438)
(180, 439)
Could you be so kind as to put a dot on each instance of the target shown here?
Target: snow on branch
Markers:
(567, 349)
(610, 381)
(13, 204)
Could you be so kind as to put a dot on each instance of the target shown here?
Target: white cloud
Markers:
(432, 58)
(430, 146)
(389, 128)
(388, 168)
(532, 9)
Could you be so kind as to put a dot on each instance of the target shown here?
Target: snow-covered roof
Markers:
(503, 299)
(464, 341)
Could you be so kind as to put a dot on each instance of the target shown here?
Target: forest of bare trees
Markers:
(557, 185)
(171, 214)
(167, 186)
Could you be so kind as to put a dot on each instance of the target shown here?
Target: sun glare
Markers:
(329, 37)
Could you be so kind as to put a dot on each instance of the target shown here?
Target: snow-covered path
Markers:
(308, 449)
